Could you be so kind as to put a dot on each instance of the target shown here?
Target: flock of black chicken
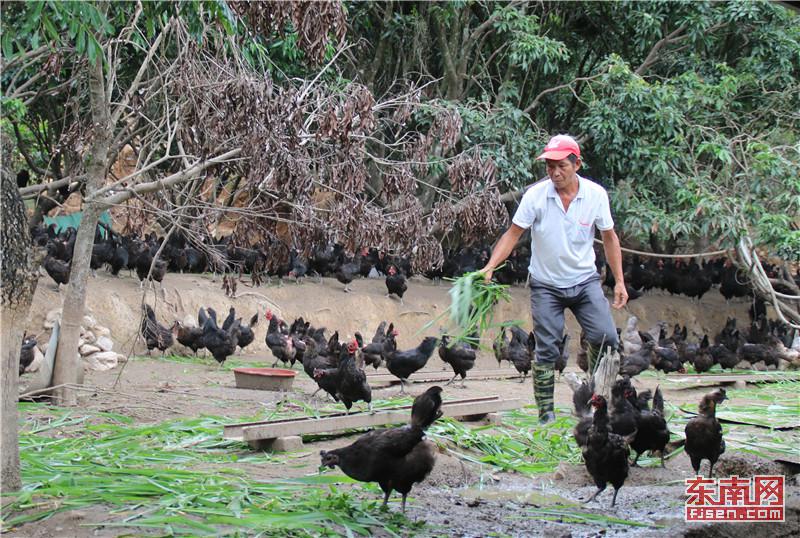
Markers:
(116, 251)
(607, 435)
(397, 458)
(765, 342)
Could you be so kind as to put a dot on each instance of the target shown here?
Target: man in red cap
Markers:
(562, 212)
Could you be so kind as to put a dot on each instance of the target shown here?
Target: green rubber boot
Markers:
(593, 355)
(544, 379)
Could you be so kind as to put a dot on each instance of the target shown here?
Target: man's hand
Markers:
(620, 295)
(487, 271)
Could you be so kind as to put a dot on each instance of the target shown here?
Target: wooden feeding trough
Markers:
(275, 379)
(380, 380)
(285, 434)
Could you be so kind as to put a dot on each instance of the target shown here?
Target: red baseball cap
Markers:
(559, 147)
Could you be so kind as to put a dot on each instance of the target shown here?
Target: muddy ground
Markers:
(459, 498)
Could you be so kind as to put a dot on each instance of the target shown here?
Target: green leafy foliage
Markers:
(686, 110)
(472, 304)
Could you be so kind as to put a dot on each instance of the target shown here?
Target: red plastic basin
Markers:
(275, 379)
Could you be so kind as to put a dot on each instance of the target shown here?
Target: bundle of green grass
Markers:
(472, 303)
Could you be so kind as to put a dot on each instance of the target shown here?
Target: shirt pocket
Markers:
(581, 231)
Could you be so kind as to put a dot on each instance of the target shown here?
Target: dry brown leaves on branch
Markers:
(353, 114)
(355, 224)
(468, 171)
(481, 215)
(446, 129)
(406, 108)
(442, 219)
(400, 180)
(316, 23)
(405, 224)
(427, 254)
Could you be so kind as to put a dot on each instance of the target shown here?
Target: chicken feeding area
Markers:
(167, 416)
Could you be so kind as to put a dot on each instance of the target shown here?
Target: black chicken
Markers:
(754, 353)
(651, 428)
(704, 433)
(667, 360)
(26, 352)
(322, 368)
(395, 283)
(518, 350)
(402, 364)
(143, 262)
(191, 337)
(723, 356)
(605, 453)
(703, 361)
(246, 335)
(371, 353)
(228, 321)
(460, 356)
(352, 383)
(313, 360)
(57, 269)
(623, 415)
(280, 344)
(395, 458)
(346, 273)
(155, 335)
(635, 363)
(119, 260)
(220, 343)
(298, 332)
(298, 265)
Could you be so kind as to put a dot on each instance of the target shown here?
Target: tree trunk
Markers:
(67, 361)
(19, 279)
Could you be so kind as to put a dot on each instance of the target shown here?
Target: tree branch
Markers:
(538, 98)
(153, 186)
(123, 105)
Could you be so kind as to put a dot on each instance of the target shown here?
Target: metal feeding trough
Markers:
(275, 379)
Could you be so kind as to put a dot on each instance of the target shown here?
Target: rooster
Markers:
(605, 453)
(395, 458)
(395, 283)
(351, 385)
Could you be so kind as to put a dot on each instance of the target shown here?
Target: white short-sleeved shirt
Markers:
(561, 242)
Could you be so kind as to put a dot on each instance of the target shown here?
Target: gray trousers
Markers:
(588, 304)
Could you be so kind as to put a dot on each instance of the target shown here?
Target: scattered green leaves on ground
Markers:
(178, 477)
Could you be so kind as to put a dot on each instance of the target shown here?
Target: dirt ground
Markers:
(459, 498)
